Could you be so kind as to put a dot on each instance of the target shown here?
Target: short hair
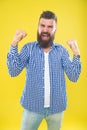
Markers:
(48, 15)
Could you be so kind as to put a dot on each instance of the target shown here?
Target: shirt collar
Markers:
(53, 45)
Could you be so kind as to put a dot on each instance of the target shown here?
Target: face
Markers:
(46, 32)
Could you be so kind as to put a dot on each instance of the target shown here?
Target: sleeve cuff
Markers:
(77, 58)
(13, 49)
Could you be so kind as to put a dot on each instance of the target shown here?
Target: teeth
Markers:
(44, 34)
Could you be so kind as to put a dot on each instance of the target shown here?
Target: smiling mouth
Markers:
(45, 36)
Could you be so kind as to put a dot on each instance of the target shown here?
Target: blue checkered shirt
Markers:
(31, 57)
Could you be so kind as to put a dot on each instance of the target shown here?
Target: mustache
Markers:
(45, 33)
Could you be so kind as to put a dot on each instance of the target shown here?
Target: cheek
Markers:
(53, 32)
(54, 29)
(39, 30)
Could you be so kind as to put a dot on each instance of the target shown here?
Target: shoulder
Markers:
(30, 45)
(59, 46)
(61, 50)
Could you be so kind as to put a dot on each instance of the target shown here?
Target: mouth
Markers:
(45, 36)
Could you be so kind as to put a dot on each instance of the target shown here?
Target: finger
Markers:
(24, 34)
(68, 42)
(18, 32)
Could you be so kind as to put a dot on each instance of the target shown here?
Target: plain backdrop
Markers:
(72, 24)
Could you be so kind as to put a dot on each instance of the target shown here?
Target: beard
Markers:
(45, 43)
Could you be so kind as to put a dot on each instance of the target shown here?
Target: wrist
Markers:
(77, 55)
(14, 43)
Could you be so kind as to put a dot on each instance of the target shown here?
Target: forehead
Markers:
(47, 21)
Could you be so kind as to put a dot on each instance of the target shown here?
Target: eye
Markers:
(50, 26)
(42, 25)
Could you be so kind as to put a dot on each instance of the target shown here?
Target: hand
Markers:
(18, 37)
(74, 47)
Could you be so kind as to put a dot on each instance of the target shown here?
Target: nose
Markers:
(45, 29)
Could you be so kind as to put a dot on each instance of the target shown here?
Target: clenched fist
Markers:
(18, 37)
(74, 47)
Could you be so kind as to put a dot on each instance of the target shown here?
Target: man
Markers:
(46, 63)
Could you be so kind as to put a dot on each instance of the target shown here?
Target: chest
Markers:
(37, 60)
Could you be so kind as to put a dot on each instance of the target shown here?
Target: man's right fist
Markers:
(20, 34)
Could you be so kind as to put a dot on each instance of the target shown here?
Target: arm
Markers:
(17, 61)
(72, 67)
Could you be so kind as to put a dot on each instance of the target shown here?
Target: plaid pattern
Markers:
(31, 56)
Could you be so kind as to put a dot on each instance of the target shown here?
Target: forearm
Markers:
(12, 61)
(74, 69)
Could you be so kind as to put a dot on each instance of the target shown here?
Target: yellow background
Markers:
(72, 24)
